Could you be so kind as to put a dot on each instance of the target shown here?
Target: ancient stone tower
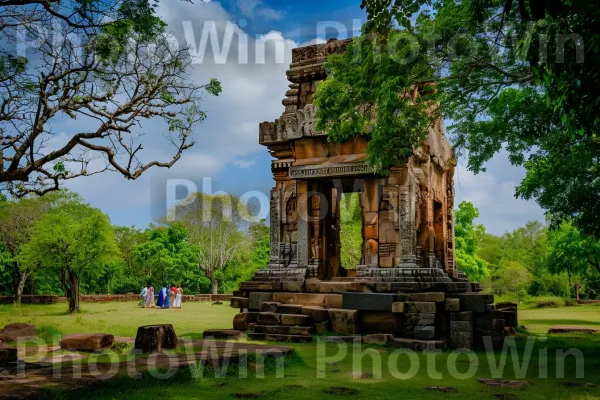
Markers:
(407, 216)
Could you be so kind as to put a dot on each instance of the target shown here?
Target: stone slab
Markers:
(269, 306)
(289, 308)
(239, 302)
(437, 297)
(268, 318)
(292, 286)
(87, 341)
(344, 322)
(316, 286)
(418, 345)
(17, 331)
(308, 299)
(380, 339)
(398, 307)
(461, 340)
(426, 319)
(153, 338)
(461, 316)
(240, 322)
(424, 307)
(369, 301)
(317, 314)
(425, 332)
(475, 302)
(257, 298)
(452, 305)
(461, 326)
(295, 319)
(372, 322)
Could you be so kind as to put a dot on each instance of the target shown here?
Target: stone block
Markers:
(316, 286)
(272, 329)
(292, 286)
(252, 317)
(380, 339)
(452, 305)
(369, 301)
(17, 331)
(437, 297)
(302, 330)
(461, 340)
(257, 298)
(239, 302)
(398, 307)
(461, 326)
(461, 316)
(510, 319)
(222, 334)
(424, 307)
(288, 338)
(8, 355)
(269, 306)
(268, 318)
(87, 341)
(425, 332)
(426, 319)
(321, 327)
(475, 302)
(418, 345)
(318, 314)
(153, 338)
(240, 322)
(289, 308)
(506, 306)
(344, 322)
(295, 319)
(334, 300)
(380, 322)
(305, 299)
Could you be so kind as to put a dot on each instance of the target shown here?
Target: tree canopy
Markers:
(525, 81)
(467, 237)
(105, 66)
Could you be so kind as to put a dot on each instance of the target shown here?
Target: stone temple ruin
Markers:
(406, 288)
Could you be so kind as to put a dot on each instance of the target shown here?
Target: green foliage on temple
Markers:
(467, 237)
(494, 86)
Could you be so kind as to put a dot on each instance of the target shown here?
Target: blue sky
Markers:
(227, 149)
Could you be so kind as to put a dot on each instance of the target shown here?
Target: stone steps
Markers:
(284, 330)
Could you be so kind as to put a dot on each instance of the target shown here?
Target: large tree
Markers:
(106, 73)
(73, 239)
(525, 80)
(17, 220)
(216, 226)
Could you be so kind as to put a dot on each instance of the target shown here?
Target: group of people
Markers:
(167, 298)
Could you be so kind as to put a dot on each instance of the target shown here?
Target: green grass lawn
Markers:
(120, 318)
(308, 378)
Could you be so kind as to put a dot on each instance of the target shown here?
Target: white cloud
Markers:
(257, 8)
(244, 163)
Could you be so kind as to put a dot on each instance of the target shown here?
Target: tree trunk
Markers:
(73, 293)
(577, 291)
(215, 286)
(20, 287)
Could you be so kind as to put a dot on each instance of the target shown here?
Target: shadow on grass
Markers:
(562, 322)
(115, 388)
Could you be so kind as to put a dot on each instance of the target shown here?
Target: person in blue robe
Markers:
(167, 297)
(161, 298)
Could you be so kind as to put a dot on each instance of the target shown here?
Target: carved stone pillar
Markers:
(303, 239)
(275, 226)
(407, 215)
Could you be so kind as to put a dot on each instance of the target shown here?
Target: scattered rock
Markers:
(87, 341)
(503, 383)
(18, 331)
(340, 391)
(445, 389)
(361, 375)
(217, 303)
(8, 355)
(153, 338)
(249, 395)
(578, 384)
(571, 329)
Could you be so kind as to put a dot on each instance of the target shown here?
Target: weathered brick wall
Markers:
(103, 298)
